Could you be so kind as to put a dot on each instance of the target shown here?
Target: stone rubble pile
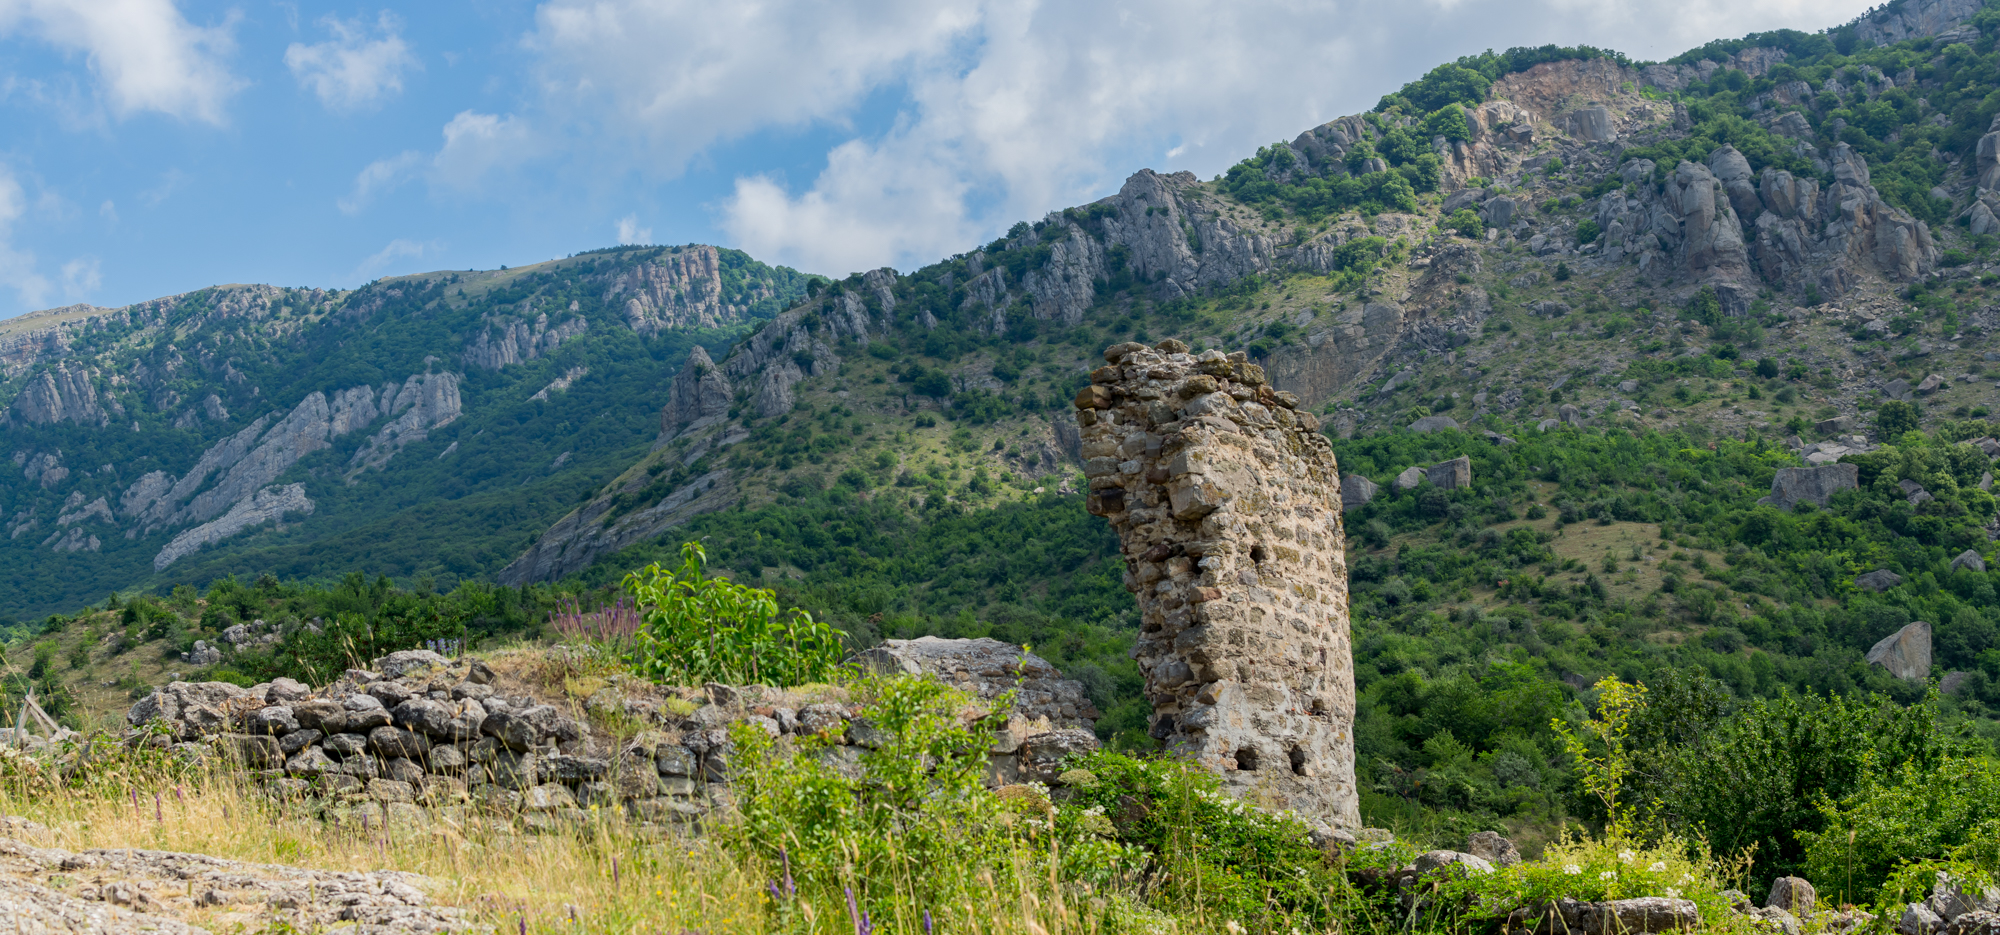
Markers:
(417, 729)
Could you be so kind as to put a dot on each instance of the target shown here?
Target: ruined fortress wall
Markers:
(1226, 500)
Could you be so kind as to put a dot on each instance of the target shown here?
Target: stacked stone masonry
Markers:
(1226, 501)
(416, 732)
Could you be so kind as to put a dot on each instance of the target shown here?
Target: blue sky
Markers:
(155, 146)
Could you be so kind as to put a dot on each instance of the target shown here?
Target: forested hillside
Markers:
(240, 429)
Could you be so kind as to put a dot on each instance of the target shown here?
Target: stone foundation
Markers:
(1226, 500)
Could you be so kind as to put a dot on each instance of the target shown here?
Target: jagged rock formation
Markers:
(59, 394)
(1912, 19)
(425, 401)
(265, 506)
(699, 396)
(518, 341)
(680, 289)
(1227, 506)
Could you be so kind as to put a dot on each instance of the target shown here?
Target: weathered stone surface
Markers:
(1492, 848)
(1042, 756)
(1968, 560)
(1429, 424)
(1436, 863)
(1450, 475)
(129, 891)
(989, 668)
(409, 662)
(1235, 550)
(1789, 486)
(1355, 491)
(1906, 653)
(1410, 478)
(1792, 894)
(1881, 579)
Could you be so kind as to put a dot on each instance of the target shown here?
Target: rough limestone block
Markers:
(1817, 484)
(1355, 492)
(1234, 547)
(1450, 475)
(1906, 653)
(1792, 894)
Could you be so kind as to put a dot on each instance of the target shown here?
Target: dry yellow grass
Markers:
(597, 876)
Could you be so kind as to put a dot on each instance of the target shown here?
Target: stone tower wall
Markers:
(1226, 500)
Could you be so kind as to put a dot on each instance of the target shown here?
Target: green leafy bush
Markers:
(1922, 812)
(1465, 222)
(698, 629)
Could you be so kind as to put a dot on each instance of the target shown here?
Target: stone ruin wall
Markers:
(1226, 501)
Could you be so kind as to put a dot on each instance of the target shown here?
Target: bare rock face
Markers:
(60, 394)
(512, 342)
(680, 288)
(1226, 502)
(426, 401)
(1817, 484)
(267, 505)
(699, 395)
(1909, 20)
(988, 668)
(1906, 653)
(1450, 475)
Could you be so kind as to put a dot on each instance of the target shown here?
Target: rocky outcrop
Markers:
(1790, 486)
(268, 505)
(1912, 19)
(594, 530)
(1906, 653)
(425, 402)
(1227, 506)
(988, 668)
(62, 393)
(699, 397)
(500, 343)
(1714, 223)
(681, 287)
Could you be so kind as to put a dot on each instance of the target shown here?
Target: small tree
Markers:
(1896, 417)
(700, 629)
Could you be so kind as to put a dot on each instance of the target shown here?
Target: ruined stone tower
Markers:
(1226, 501)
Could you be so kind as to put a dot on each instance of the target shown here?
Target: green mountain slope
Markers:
(502, 395)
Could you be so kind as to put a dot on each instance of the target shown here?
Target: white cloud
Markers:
(682, 74)
(1011, 108)
(351, 71)
(108, 211)
(145, 55)
(476, 145)
(398, 249)
(629, 231)
(81, 277)
(17, 268)
(380, 175)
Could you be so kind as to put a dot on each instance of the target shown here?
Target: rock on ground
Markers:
(1906, 653)
(121, 891)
